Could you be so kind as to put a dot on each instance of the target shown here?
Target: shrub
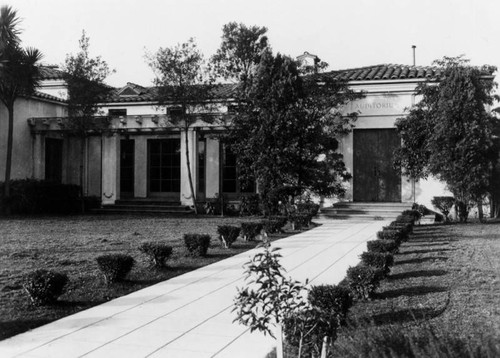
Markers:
(395, 235)
(115, 267)
(44, 287)
(250, 230)
(158, 252)
(415, 214)
(378, 260)
(228, 234)
(197, 244)
(382, 246)
(331, 298)
(422, 209)
(250, 205)
(300, 220)
(363, 281)
(282, 219)
(272, 226)
(444, 204)
(405, 219)
(310, 208)
(407, 227)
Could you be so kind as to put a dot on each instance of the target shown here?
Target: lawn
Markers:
(71, 245)
(445, 282)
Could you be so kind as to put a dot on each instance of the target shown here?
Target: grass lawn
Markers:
(71, 244)
(446, 280)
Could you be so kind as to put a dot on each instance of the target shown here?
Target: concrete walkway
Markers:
(190, 315)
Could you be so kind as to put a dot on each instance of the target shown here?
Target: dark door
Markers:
(164, 168)
(127, 150)
(374, 178)
(202, 159)
(53, 159)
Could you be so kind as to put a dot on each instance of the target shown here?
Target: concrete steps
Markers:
(366, 211)
(145, 206)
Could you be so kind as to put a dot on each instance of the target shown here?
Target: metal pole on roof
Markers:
(414, 62)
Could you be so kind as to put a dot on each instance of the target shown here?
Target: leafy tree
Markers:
(84, 77)
(183, 80)
(448, 134)
(288, 132)
(240, 51)
(19, 76)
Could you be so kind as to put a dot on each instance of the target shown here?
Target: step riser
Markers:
(365, 210)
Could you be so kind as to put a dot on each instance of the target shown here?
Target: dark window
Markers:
(201, 164)
(117, 112)
(174, 111)
(53, 159)
(127, 148)
(164, 165)
(231, 183)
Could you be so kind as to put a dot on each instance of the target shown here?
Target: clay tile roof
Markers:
(49, 97)
(50, 73)
(385, 72)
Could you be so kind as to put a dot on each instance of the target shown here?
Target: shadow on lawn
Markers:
(11, 328)
(406, 315)
(420, 273)
(411, 252)
(411, 291)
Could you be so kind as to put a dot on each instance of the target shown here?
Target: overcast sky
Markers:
(346, 34)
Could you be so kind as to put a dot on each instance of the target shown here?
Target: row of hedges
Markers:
(329, 304)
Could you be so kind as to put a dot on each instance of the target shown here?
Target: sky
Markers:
(344, 33)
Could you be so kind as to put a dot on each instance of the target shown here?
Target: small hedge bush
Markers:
(308, 208)
(250, 205)
(363, 281)
(228, 234)
(444, 204)
(250, 230)
(282, 219)
(331, 298)
(158, 252)
(197, 244)
(115, 267)
(44, 287)
(407, 227)
(300, 220)
(378, 260)
(415, 214)
(405, 219)
(394, 235)
(382, 246)
(272, 226)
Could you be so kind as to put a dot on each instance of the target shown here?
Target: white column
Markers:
(110, 158)
(213, 168)
(38, 157)
(141, 167)
(185, 194)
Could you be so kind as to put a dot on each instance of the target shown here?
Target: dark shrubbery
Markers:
(44, 287)
(394, 235)
(250, 205)
(250, 230)
(444, 204)
(228, 234)
(272, 226)
(331, 298)
(415, 214)
(363, 281)
(300, 220)
(158, 252)
(405, 219)
(382, 246)
(378, 260)
(115, 267)
(308, 208)
(282, 219)
(405, 227)
(197, 244)
(30, 196)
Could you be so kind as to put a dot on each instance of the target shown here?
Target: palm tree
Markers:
(19, 76)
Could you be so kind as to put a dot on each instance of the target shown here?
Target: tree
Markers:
(85, 78)
(182, 80)
(449, 133)
(19, 76)
(240, 51)
(288, 132)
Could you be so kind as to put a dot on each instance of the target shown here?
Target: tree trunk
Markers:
(8, 161)
(188, 163)
(279, 341)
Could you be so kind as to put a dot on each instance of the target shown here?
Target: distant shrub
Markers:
(407, 227)
(250, 205)
(158, 252)
(378, 260)
(405, 219)
(310, 208)
(228, 234)
(197, 244)
(272, 226)
(44, 287)
(281, 218)
(395, 235)
(382, 246)
(115, 267)
(300, 221)
(422, 209)
(415, 214)
(331, 298)
(444, 204)
(363, 281)
(250, 230)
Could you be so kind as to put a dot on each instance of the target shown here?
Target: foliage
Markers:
(300, 220)
(443, 204)
(271, 226)
(115, 267)
(449, 133)
(181, 78)
(378, 260)
(280, 218)
(422, 209)
(363, 281)
(197, 244)
(331, 298)
(240, 51)
(250, 230)
(414, 213)
(394, 235)
(405, 219)
(269, 297)
(402, 230)
(228, 234)
(158, 252)
(287, 133)
(19, 76)
(382, 246)
(250, 205)
(31, 196)
(44, 287)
